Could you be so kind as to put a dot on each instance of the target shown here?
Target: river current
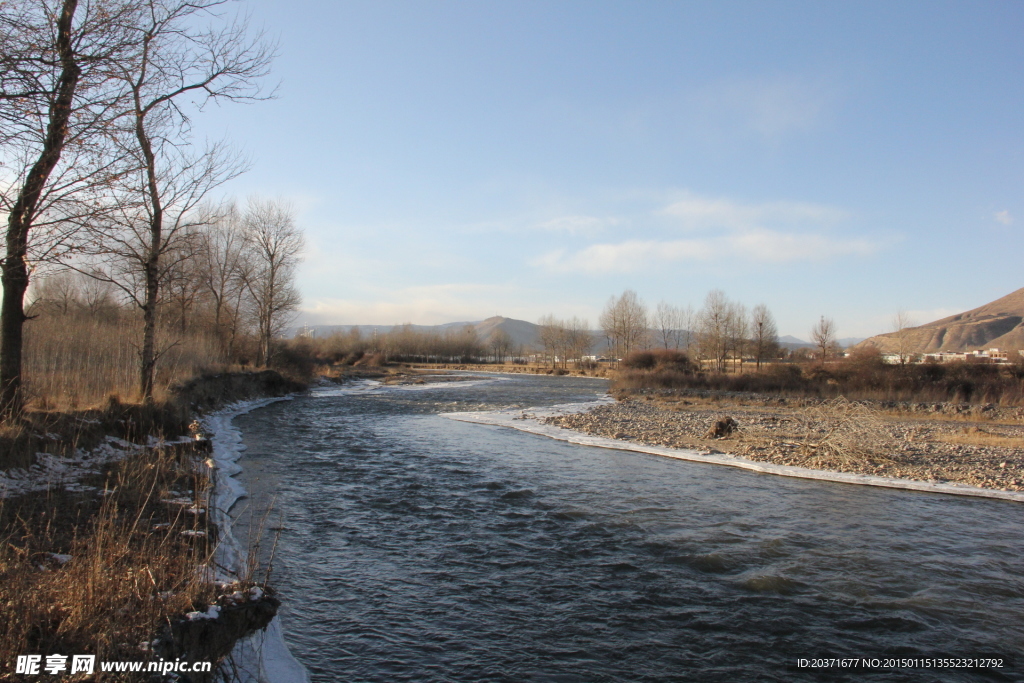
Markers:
(413, 547)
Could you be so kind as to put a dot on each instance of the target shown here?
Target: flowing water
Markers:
(417, 548)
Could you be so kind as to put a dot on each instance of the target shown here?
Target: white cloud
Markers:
(700, 212)
(777, 247)
(1004, 217)
(720, 229)
(625, 257)
(758, 245)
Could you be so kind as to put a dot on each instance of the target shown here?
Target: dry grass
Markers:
(978, 437)
(840, 431)
(75, 361)
(131, 569)
(857, 378)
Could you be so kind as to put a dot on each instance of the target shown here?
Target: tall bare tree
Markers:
(668, 324)
(687, 322)
(624, 321)
(55, 94)
(181, 59)
(275, 246)
(578, 339)
(713, 327)
(501, 344)
(764, 333)
(901, 324)
(823, 334)
(738, 333)
(552, 335)
(224, 271)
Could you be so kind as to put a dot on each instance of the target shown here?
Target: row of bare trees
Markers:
(721, 330)
(230, 275)
(565, 340)
(406, 343)
(99, 168)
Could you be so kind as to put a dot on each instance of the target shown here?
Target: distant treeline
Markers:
(406, 344)
(226, 292)
(862, 375)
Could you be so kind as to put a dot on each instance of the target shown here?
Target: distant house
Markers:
(989, 356)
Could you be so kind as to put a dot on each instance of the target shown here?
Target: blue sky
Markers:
(457, 160)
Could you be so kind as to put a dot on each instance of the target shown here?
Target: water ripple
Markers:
(418, 548)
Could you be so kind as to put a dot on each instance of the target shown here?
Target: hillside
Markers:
(999, 324)
(522, 332)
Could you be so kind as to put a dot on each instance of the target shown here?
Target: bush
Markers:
(862, 376)
(662, 359)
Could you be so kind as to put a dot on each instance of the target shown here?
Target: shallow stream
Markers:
(415, 547)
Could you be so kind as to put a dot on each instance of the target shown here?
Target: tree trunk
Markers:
(148, 352)
(152, 267)
(14, 275)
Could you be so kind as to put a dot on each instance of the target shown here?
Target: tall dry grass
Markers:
(76, 360)
(132, 568)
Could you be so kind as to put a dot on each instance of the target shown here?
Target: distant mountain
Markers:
(999, 324)
(790, 342)
(522, 332)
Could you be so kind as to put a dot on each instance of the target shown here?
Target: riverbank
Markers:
(516, 369)
(115, 504)
(981, 448)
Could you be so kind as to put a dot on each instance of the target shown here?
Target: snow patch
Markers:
(264, 657)
(211, 613)
(369, 386)
(50, 470)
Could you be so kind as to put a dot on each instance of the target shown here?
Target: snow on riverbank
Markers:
(49, 471)
(530, 420)
(372, 386)
(263, 657)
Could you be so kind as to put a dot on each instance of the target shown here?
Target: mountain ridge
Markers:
(997, 324)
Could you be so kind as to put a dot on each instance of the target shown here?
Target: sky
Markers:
(452, 160)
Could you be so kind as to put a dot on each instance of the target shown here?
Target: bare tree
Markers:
(57, 292)
(713, 328)
(687, 323)
(823, 334)
(624, 321)
(224, 272)
(552, 335)
(182, 283)
(179, 58)
(578, 339)
(737, 332)
(764, 333)
(668, 324)
(54, 95)
(275, 246)
(901, 325)
(156, 231)
(501, 344)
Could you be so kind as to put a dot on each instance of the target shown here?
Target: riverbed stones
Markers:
(940, 445)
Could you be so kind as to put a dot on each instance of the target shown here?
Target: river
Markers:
(413, 547)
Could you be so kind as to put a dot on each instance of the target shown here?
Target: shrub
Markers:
(666, 359)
